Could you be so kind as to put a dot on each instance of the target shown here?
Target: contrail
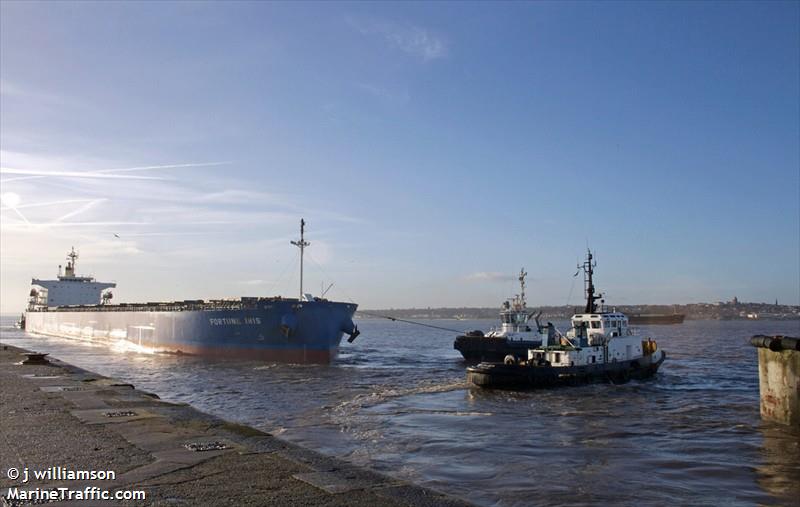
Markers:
(49, 203)
(11, 201)
(78, 211)
(146, 234)
(72, 224)
(95, 224)
(168, 166)
(34, 174)
(102, 173)
(9, 205)
(21, 216)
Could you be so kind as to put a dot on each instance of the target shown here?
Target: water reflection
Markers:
(779, 470)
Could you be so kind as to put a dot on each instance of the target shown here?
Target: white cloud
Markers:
(490, 276)
(410, 39)
(173, 228)
(236, 196)
(386, 95)
(26, 93)
(253, 282)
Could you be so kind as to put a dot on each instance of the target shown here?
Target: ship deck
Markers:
(245, 303)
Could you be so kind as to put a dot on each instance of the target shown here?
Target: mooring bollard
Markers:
(35, 358)
(779, 378)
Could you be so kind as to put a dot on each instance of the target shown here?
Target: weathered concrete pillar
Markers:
(779, 378)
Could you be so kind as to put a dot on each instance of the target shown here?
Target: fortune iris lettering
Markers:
(234, 321)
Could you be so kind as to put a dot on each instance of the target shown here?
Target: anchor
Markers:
(354, 334)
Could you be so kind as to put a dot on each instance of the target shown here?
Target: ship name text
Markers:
(234, 321)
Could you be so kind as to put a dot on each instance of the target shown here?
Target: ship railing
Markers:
(248, 303)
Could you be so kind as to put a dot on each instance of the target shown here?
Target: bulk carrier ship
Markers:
(304, 330)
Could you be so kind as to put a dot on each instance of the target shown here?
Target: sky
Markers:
(433, 149)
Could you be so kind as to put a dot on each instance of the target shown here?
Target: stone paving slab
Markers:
(56, 415)
(39, 376)
(340, 481)
(114, 415)
(154, 436)
(67, 389)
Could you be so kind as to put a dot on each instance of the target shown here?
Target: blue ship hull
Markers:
(283, 330)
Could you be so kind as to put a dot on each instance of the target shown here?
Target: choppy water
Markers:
(397, 401)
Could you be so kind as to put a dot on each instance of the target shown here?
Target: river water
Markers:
(396, 400)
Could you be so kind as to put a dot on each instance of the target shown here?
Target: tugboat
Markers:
(600, 347)
(514, 336)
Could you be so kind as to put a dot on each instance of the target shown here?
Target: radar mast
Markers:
(522, 275)
(72, 256)
(302, 244)
(588, 271)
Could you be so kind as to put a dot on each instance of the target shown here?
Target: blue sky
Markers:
(434, 149)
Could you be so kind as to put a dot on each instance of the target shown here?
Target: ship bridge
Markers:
(68, 289)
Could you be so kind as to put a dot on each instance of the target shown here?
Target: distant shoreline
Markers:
(733, 310)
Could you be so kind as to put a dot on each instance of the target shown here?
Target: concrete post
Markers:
(779, 378)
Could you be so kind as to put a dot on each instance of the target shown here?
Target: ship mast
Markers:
(522, 275)
(588, 270)
(302, 244)
(72, 256)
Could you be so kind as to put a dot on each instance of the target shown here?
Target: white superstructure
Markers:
(595, 337)
(514, 317)
(68, 289)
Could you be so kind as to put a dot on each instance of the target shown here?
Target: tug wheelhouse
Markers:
(514, 317)
(513, 336)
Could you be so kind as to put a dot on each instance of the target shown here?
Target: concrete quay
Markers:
(58, 415)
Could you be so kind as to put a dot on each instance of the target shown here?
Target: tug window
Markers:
(595, 324)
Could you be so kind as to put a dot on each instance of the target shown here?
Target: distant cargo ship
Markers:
(657, 318)
(303, 330)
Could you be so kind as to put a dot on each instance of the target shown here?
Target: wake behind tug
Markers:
(599, 347)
